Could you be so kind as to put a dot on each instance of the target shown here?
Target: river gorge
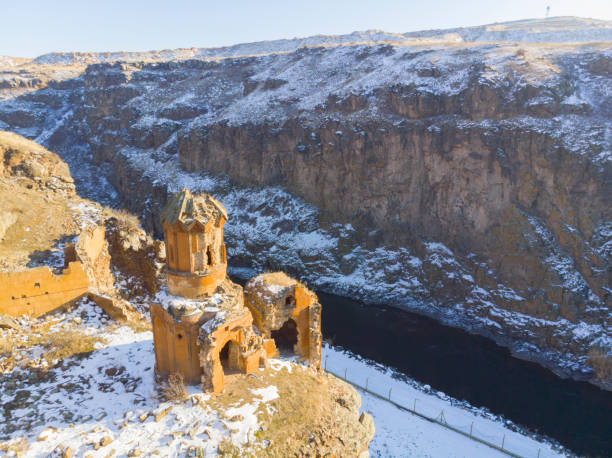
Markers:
(463, 180)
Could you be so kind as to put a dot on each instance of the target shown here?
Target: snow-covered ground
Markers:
(400, 433)
(110, 397)
(109, 400)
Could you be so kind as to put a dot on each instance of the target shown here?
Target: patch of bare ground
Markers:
(42, 344)
(66, 343)
(174, 388)
(37, 221)
(138, 325)
(316, 414)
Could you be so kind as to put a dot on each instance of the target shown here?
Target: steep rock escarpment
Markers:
(470, 182)
(513, 200)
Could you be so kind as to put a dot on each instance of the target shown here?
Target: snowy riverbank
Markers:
(400, 433)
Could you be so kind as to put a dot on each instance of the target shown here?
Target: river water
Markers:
(474, 369)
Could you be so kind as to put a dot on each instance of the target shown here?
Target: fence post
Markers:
(503, 440)
(390, 393)
(366, 384)
(345, 374)
(471, 427)
(414, 408)
(539, 453)
(325, 368)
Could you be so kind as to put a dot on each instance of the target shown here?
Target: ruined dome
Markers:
(190, 210)
(195, 251)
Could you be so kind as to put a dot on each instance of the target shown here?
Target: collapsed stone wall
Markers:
(88, 271)
(233, 326)
(245, 351)
(37, 291)
(91, 249)
(274, 299)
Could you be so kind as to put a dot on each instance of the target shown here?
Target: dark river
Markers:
(474, 369)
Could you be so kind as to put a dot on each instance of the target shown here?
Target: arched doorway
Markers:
(286, 337)
(229, 357)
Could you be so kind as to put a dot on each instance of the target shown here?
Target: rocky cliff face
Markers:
(468, 181)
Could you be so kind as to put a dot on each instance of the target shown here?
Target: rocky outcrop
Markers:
(135, 256)
(466, 181)
(27, 160)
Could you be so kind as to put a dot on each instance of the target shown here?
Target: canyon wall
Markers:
(470, 182)
(480, 195)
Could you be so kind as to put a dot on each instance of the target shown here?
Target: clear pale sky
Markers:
(33, 27)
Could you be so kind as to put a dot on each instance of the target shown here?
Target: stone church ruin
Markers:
(204, 325)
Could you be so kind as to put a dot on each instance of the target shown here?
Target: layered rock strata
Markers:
(468, 181)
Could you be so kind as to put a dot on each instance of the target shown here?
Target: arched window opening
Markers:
(286, 337)
(290, 300)
(209, 255)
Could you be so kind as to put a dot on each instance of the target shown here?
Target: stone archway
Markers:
(229, 357)
(286, 337)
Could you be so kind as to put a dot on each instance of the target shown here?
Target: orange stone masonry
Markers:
(275, 299)
(202, 328)
(191, 334)
(37, 291)
(193, 230)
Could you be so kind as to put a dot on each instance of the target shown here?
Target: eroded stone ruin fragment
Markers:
(286, 312)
